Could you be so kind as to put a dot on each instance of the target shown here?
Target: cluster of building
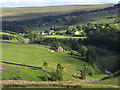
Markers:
(22, 34)
(50, 32)
(60, 49)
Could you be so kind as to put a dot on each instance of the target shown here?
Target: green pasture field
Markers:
(35, 56)
(61, 37)
(14, 72)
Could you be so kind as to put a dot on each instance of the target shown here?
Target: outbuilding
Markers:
(60, 49)
(76, 32)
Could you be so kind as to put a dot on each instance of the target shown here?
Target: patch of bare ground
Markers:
(3, 68)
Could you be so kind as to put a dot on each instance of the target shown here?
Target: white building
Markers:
(51, 31)
(107, 72)
(76, 32)
(22, 34)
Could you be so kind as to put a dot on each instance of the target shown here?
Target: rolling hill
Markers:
(42, 18)
(22, 13)
(25, 61)
(35, 56)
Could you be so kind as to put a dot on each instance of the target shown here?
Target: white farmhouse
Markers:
(43, 33)
(76, 32)
(51, 31)
(107, 72)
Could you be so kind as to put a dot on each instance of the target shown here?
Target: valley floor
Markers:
(25, 69)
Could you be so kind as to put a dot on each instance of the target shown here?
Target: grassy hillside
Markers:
(52, 10)
(25, 61)
(11, 36)
(29, 17)
(35, 56)
(13, 72)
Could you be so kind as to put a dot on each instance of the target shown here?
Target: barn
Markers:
(60, 49)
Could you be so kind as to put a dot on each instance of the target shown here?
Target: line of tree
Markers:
(54, 76)
(91, 28)
(12, 36)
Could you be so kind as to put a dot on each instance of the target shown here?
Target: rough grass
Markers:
(63, 9)
(103, 21)
(98, 16)
(113, 81)
(43, 28)
(22, 83)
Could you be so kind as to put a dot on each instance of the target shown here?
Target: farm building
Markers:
(22, 34)
(60, 49)
(107, 72)
(27, 41)
(76, 32)
(42, 33)
(51, 31)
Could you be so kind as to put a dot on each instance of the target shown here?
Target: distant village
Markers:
(49, 32)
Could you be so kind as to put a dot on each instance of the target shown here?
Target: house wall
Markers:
(60, 50)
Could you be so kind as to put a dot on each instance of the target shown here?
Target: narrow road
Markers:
(84, 81)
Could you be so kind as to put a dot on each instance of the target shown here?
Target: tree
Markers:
(74, 45)
(83, 34)
(45, 65)
(69, 32)
(106, 29)
(56, 44)
(91, 32)
(83, 75)
(71, 53)
(14, 28)
(91, 59)
(59, 72)
(82, 50)
(74, 29)
(79, 27)
(58, 75)
(91, 56)
(46, 31)
(107, 25)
